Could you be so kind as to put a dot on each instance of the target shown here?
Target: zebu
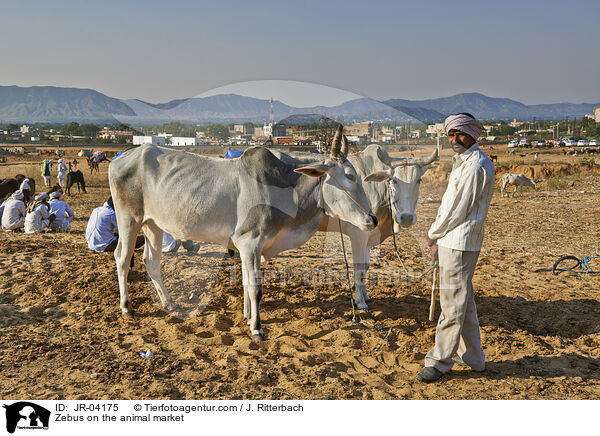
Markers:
(403, 176)
(517, 180)
(257, 204)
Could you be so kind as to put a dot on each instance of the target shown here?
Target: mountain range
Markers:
(56, 104)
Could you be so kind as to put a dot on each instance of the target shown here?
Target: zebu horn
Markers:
(336, 145)
(384, 156)
(423, 161)
(344, 149)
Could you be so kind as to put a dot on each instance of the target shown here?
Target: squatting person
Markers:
(455, 239)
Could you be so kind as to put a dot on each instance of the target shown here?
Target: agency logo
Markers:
(27, 416)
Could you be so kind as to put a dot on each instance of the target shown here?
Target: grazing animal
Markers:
(403, 177)
(517, 180)
(494, 158)
(8, 186)
(75, 177)
(93, 165)
(257, 204)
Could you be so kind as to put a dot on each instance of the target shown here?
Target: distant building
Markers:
(182, 141)
(359, 129)
(258, 132)
(516, 123)
(434, 129)
(268, 130)
(24, 129)
(108, 133)
(152, 140)
(244, 129)
(597, 114)
(274, 130)
(357, 140)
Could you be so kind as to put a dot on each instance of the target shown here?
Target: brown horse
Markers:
(8, 186)
(75, 177)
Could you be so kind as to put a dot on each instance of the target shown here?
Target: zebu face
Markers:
(342, 195)
(404, 188)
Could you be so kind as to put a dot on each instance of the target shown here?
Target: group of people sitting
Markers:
(44, 211)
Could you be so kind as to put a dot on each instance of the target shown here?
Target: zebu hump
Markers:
(262, 166)
(373, 158)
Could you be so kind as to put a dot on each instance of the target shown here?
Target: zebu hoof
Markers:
(127, 310)
(258, 336)
(362, 306)
(129, 314)
(171, 307)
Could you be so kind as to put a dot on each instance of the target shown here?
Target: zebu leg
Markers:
(360, 260)
(128, 230)
(152, 253)
(252, 281)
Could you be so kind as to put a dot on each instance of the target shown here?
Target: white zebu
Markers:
(517, 180)
(403, 176)
(257, 204)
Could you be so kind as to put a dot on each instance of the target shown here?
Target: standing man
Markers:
(46, 171)
(455, 240)
(62, 174)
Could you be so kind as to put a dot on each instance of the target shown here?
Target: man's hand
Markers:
(433, 249)
(433, 252)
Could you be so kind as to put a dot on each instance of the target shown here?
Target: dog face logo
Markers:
(26, 415)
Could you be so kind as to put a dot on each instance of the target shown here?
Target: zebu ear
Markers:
(379, 176)
(317, 170)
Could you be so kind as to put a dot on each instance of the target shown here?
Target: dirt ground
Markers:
(63, 337)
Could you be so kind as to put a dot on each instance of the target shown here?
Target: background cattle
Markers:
(518, 180)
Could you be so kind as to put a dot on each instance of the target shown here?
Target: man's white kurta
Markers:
(461, 217)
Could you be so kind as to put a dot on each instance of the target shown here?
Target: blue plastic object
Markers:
(233, 153)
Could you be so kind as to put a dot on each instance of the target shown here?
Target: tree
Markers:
(71, 129)
(218, 131)
(90, 130)
(122, 127)
(12, 128)
(503, 130)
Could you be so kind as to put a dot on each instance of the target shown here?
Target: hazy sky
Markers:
(531, 51)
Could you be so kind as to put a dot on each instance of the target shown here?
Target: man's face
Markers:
(460, 141)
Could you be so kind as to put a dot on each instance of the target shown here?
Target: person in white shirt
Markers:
(101, 232)
(169, 243)
(28, 189)
(455, 240)
(13, 217)
(62, 174)
(2, 209)
(38, 214)
(62, 211)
